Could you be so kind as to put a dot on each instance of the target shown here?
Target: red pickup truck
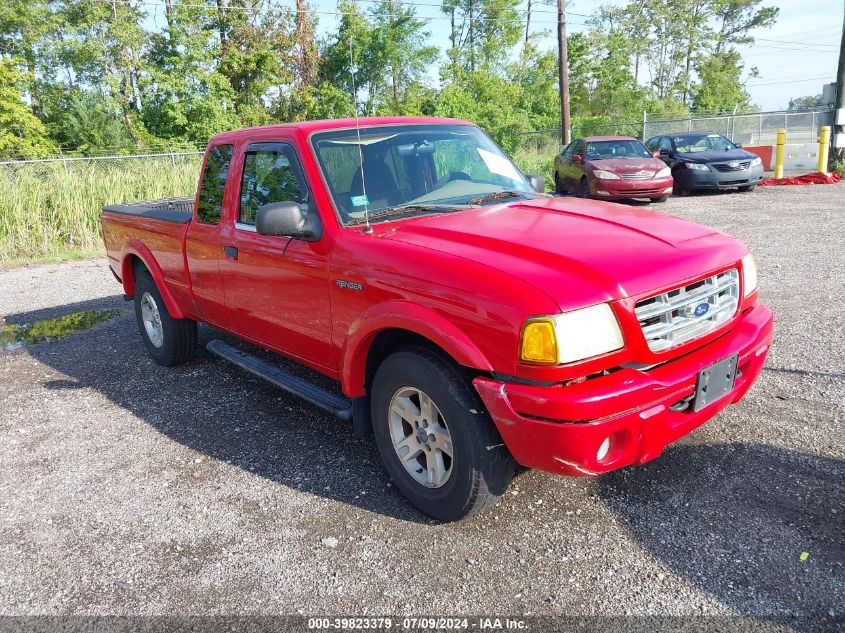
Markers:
(471, 322)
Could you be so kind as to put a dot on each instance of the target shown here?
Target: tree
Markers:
(737, 18)
(805, 103)
(719, 88)
(21, 132)
(399, 37)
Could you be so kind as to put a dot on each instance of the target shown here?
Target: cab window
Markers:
(271, 174)
(210, 202)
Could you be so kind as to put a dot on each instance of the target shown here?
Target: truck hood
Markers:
(579, 252)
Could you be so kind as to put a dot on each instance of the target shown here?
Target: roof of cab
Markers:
(593, 139)
(332, 124)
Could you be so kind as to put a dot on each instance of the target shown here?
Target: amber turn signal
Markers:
(538, 343)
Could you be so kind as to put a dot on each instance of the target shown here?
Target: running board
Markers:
(316, 395)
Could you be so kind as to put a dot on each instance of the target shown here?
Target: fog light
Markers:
(603, 449)
(603, 193)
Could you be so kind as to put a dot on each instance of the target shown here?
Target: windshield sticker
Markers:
(498, 164)
(359, 201)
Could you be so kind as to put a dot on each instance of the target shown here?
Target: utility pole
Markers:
(563, 71)
(839, 108)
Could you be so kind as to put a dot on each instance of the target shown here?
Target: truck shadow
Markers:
(224, 413)
(737, 519)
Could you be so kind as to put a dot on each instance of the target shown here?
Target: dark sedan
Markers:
(706, 160)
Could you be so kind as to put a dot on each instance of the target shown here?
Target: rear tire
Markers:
(558, 186)
(169, 341)
(418, 394)
(747, 188)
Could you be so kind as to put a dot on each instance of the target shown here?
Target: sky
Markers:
(795, 57)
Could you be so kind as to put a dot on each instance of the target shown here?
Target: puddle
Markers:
(50, 330)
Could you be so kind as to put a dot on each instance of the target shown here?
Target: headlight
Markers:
(697, 166)
(756, 161)
(601, 174)
(749, 274)
(571, 336)
(663, 173)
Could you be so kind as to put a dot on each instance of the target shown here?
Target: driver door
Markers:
(277, 289)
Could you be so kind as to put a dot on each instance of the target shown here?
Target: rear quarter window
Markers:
(210, 203)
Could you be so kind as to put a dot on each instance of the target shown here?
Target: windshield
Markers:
(702, 143)
(605, 150)
(419, 167)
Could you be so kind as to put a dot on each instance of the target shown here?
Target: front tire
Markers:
(584, 191)
(660, 199)
(436, 440)
(679, 187)
(169, 341)
(747, 188)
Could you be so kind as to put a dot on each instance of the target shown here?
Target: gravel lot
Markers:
(127, 488)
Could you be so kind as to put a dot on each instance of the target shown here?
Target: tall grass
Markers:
(51, 211)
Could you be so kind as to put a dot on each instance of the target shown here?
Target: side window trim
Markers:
(289, 150)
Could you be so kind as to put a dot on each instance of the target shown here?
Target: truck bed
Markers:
(177, 210)
(157, 225)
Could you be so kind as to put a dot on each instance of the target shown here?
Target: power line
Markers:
(792, 81)
(763, 39)
(787, 48)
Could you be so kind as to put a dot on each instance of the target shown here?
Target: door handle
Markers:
(231, 251)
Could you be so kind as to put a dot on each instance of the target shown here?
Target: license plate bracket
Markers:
(715, 382)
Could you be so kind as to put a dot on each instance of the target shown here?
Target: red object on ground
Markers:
(816, 178)
(764, 152)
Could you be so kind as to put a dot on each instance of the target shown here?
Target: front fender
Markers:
(137, 248)
(402, 315)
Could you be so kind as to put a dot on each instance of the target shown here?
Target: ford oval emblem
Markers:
(701, 309)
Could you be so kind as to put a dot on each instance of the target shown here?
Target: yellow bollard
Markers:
(824, 145)
(779, 154)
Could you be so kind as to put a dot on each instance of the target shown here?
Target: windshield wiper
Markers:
(410, 207)
(497, 195)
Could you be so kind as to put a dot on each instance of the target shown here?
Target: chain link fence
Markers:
(759, 128)
(11, 170)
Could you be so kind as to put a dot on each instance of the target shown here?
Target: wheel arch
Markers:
(137, 254)
(385, 329)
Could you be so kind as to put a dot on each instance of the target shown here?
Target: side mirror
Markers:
(576, 158)
(286, 218)
(656, 154)
(537, 182)
(738, 145)
(665, 152)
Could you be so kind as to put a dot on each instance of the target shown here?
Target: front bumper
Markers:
(696, 179)
(623, 188)
(560, 428)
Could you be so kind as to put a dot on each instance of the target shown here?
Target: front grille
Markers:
(643, 193)
(669, 319)
(728, 167)
(638, 176)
